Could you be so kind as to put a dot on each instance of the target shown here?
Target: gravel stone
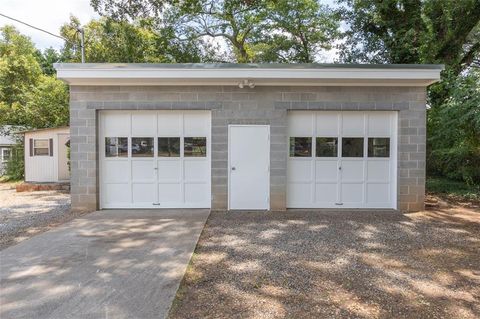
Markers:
(25, 214)
(303, 264)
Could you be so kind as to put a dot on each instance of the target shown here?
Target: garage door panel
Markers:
(378, 170)
(300, 124)
(196, 124)
(115, 171)
(170, 193)
(117, 124)
(143, 193)
(143, 171)
(168, 179)
(299, 170)
(352, 171)
(299, 194)
(169, 170)
(327, 124)
(196, 193)
(326, 171)
(325, 192)
(366, 177)
(196, 170)
(379, 124)
(169, 123)
(353, 124)
(118, 194)
(378, 193)
(144, 124)
(352, 193)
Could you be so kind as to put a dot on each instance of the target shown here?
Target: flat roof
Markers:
(207, 66)
(263, 74)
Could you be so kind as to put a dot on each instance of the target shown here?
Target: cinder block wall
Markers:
(260, 105)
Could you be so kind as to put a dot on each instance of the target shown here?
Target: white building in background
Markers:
(6, 144)
(46, 155)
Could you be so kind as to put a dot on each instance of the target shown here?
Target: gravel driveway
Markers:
(25, 214)
(335, 265)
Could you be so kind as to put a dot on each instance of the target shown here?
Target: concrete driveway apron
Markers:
(107, 264)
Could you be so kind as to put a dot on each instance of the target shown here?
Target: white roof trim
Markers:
(78, 75)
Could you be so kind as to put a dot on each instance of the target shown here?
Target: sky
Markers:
(50, 15)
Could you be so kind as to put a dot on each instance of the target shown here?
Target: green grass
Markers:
(452, 188)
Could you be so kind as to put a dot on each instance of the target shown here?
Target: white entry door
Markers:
(249, 166)
(155, 159)
(342, 159)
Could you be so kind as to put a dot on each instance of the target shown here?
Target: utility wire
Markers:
(39, 29)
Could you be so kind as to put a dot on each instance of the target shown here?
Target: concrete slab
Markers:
(107, 264)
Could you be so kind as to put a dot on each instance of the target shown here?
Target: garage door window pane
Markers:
(300, 146)
(327, 147)
(116, 146)
(169, 146)
(195, 147)
(142, 146)
(352, 147)
(378, 147)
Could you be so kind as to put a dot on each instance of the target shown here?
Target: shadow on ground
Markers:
(108, 264)
(345, 265)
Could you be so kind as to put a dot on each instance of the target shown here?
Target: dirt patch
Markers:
(343, 265)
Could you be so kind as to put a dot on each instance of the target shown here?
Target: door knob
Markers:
(233, 168)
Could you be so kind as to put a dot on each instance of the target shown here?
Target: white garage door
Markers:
(155, 159)
(342, 159)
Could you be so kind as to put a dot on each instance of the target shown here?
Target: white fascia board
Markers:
(269, 77)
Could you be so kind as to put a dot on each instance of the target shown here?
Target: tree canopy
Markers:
(238, 30)
(28, 97)
(412, 31)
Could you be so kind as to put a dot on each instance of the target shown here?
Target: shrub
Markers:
(15, 167)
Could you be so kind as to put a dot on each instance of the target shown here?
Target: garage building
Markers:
(248, 136)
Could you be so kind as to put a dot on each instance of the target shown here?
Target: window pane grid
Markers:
(169, 146)
(142, 147)
(300, 147)
(352, 147)
(116, 146)
(194, 146)
(326, 147)
(378, 147)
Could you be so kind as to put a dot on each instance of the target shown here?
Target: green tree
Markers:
(27, 97)
(239, 30)
(235, 24)
(19, 69)
(47, 58)
(454, 131)
(47, 104)
(298, 31)
(412, 31)
(141, 41)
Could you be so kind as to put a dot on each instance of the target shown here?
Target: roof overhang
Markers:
(44, 129)
(258, 74)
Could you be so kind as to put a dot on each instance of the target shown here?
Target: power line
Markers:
(82, 36)
(39, 29)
